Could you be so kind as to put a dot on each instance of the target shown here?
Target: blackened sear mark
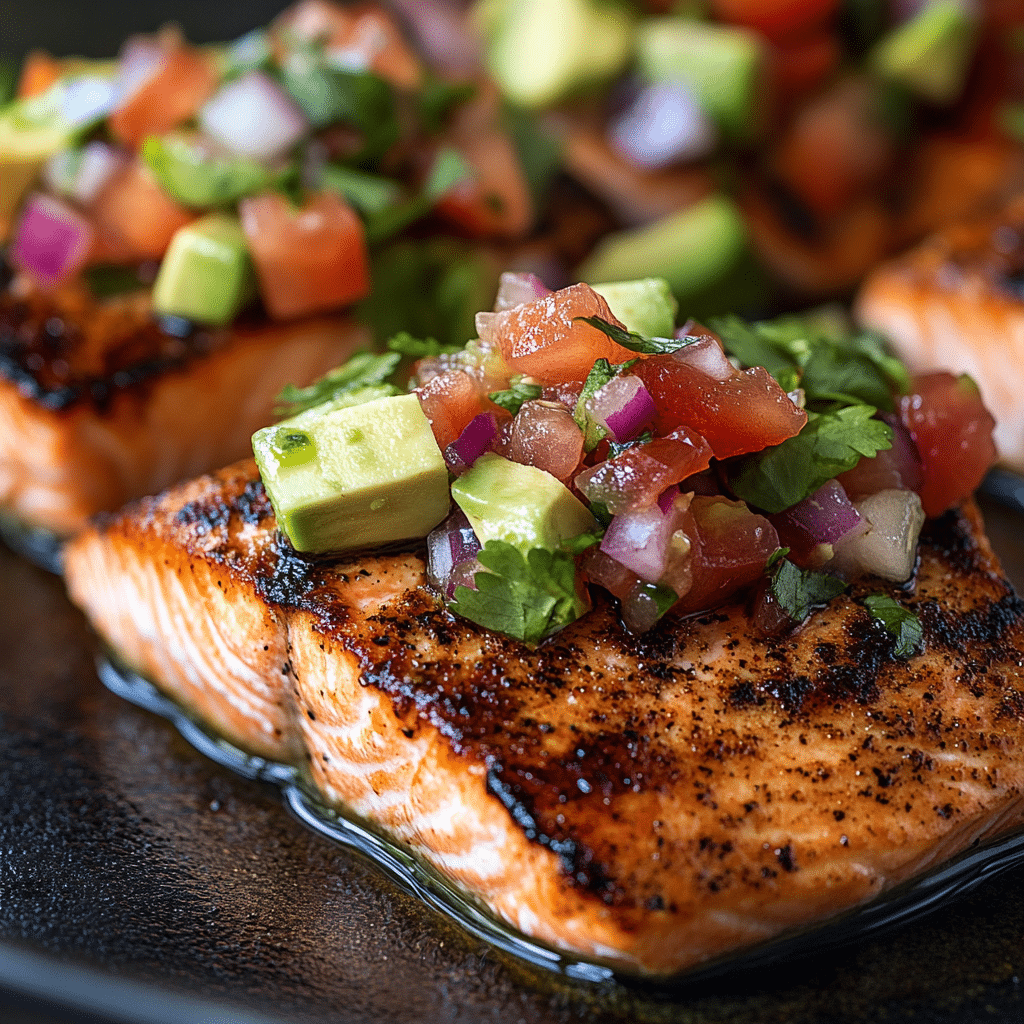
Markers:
(950, 535)
(253, 505)
(286, 578)
(203, 516)
(987, 625)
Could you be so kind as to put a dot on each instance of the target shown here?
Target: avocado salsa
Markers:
(565, 448)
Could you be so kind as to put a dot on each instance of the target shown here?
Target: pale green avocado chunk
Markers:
(722, 65)
(691, 249)
(206, 274)
(645, 307)
(931, 53)
(354, 477)
(540, 51)
(521, 505)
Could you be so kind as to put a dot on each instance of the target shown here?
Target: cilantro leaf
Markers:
(419, 348)
(593, 433)
(829, 444)
(636, 342)
(538, 150)
(742, 341)
(618, 447)
(902, 623)
(577, 545)
(515, 396)
(800, 591)
(431, 288)
(829, 362)
(362, 369)
(525, 597)
(438, 98)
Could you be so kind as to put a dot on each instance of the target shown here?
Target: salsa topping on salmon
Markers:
(784, 459)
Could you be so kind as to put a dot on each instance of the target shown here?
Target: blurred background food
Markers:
(757, 155)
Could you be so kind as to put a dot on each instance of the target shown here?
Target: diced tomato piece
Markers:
(896, 468)
(494, 199)
(38, 73)
(604, 571)
(728, 551)
(745, 413)
(543, 338)
(363, 33)
(309, 259)
(135, 219)
(545, 435)
(801, 65)
(836, 148)
(634, 479)
(450, 401)
(953, 433)
(170, 95)
(777, 19)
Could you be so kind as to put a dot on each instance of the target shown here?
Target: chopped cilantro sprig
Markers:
(829, 444)
(516, 395)
(636, 342)
(799, 591)
(361, 370)
(527, 597)
(902, 623)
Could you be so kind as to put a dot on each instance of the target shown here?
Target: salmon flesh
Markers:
(98, 405)
(652, 802)
(957, 302)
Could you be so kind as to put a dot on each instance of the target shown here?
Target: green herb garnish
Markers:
(437, 99)
(902, 623)
(829, 444)
(636, 342)
(362, 370)
(527, 597)
(800, 591)
(516, 395)
(832, 365)
(593, 433)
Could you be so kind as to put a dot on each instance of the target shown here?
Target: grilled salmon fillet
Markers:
(651, 801)
(99, 405)
(957, 301)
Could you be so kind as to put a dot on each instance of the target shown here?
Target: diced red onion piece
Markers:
(52, 240)
(87, 99)
(888, 548)
(664, 125)
(705, 355)
(640, 541)
(639, 610)
(667, 499)
(82, 175)
(140, 59)
(475, 439)
(516, 289)
(451, 554)
(252, 117)
(624, 406)
(826, 516)
(443, 35)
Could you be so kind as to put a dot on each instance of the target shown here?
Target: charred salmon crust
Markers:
(652, 801)
(98, 405)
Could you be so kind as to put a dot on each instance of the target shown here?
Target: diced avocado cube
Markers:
(542, 50)
(931, 53)
(646, 306)
(354, 477)
(722, 65)
(206, 274)
(691, 249)
(521, 505)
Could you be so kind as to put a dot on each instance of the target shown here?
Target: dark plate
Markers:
(142, 881)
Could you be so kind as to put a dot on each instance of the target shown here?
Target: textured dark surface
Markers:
(124, 851)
